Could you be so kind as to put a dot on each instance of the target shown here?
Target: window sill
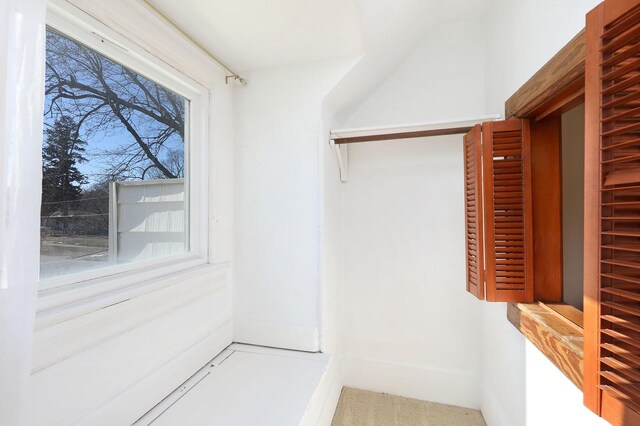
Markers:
(65, 303)
(556, 330)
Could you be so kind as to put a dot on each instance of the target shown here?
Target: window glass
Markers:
(113, 164)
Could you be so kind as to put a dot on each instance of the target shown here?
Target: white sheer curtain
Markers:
(22, 38)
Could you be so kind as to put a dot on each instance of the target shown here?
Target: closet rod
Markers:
(404, 135)
(407, 131)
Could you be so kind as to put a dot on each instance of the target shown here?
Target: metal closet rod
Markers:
(232, 74)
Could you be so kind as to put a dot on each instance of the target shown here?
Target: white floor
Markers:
(244, 386)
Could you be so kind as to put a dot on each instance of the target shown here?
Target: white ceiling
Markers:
(254, 34)
(251, 34)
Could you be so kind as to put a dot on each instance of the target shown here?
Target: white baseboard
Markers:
(493, 411)
(286, 336)
(323, 403)
(145, 394)
(445, 387)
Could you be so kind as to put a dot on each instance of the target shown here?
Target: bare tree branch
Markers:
(80, 83)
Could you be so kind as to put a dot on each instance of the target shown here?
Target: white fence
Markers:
(147, 219)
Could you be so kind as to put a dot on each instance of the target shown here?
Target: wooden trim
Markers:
(591, 213)
(568, 312)
(404, 135)
(566, 100)
(564, 70)
(546, 204)
(559, 339)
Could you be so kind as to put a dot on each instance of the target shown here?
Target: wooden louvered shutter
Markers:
(612, 212)
(507, 211)
(473, 211)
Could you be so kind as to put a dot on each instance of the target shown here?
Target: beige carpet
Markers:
(363, 408)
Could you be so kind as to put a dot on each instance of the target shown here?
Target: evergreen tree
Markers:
(61, 179)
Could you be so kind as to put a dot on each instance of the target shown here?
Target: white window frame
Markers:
(92, 286)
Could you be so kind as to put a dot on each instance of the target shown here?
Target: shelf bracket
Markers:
(342, 155)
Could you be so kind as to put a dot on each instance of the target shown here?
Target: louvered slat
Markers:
(629, 355)
(622, 321)
(507, 211)
(473, 212)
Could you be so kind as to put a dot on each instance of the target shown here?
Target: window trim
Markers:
(558, 86)
(55, 294)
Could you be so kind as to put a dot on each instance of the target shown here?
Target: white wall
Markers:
(125, 358)
(523, 36)
(277, 238)
(109, 365)
(441, 79)
(551, 398)
(331, 295)
(407, 325)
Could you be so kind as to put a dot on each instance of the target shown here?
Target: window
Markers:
(117, 156)
(112, 164)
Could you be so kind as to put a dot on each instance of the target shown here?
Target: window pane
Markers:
(113, 164)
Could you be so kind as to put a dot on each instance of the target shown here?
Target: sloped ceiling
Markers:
(255, 34)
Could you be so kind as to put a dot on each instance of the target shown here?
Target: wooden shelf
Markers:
(556, 330)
